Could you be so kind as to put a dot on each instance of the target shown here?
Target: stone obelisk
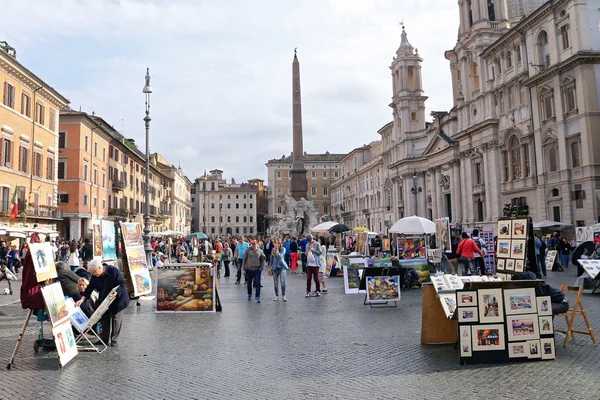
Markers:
(299, 181)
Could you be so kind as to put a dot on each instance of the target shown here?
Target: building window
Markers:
(575, 157)
(237, 205)
(103, 203)
(569, 96)
(278, 189)
(313, 190)
(237, 218)
(526, 162)
(212, 219)
(212, 205)
(9, 95)
(251, 205)
(96, 149)
(547, 104)
(477, 174)
(564, 36)
(336, 173)
(95, 176)
(579, 195)
(85, 146)
(543, 51)
(62, 140)
(61, 172)
(85, 172)
(26, 105)
(23, 162)
(324, 173)
(515, 155)
(518, 54)
(313, 174)
(279, 209)
(85, 199)
(6, 153)
(325, 209)
(95, 202)
(505, 165)
(413, 116)
(552, 158)
(117, 155)
(39, 113)
(278, 174)
(508, 61)
(245, 219)
(52, 126)
(37, 164)
(63, 198)
(50, 168)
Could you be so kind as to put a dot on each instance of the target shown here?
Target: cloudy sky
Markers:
(221, 69)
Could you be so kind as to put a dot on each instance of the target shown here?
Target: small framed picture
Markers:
(544, 306)
(490, 305)
(465, 333)
(545, 324)
(503, 248)
(465, 349)
(466, 299)
(500, 264)
(534, 349)
(504, 229)
(510, 265)
(519, 229)
(488, 337)
(522, 327)
(517, 249)
(547, 349)
(518, 349)
(520, 301)
(519, 265)
(468, 314)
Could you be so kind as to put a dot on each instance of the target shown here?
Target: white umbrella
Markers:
(324, 226)
(550, 224)
(413, 226)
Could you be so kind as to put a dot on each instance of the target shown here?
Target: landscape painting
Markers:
(186, 289)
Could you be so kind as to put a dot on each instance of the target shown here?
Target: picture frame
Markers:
(352, 277)
(519, 229)
(517, 249)
(522, 327)
(545, 325)
(465, 349)
(55, 303)
(381, 289)
(64, 339)
(466, 298)
(448, 301)
(42, 256)
(520, 301)
(466, 345)
(544, 305)
(518, 350)
(519, 265)
(503, 250)
(534, 349)
(500, 264)
(186, 289)
(488, 337)
(504, 229)
(548, 351)
(468, 314)
(490, 305)
(510, 265)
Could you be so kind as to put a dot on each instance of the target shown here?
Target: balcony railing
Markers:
(118, 212)
(118, 185)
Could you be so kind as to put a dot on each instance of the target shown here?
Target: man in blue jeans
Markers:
(303, 242)
(253, 263)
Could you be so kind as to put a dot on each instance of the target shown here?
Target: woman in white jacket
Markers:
(323, 264)
(73, 256)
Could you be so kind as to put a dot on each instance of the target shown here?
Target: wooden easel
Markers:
(19, 340)
(570, 315)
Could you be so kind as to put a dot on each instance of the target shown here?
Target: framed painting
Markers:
(352, 276)
(522, 327)
(518, 350)
(448, 301)
(544, 306)
(42, 256)
(185, 290)
(500, 264)
(545, 324)
(466, 299)
(520, 301)
(504, 229)
(519, 229)
(534, 349)
(490, 305)
(517, 249)
(488, 337)
(65, 342)
(510, 265)
(503, 250)
(381, 289)
(55, 303)
(547, 349)
(519, 265)
(467, 314)
(465, 341)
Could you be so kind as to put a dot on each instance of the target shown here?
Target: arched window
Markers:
(515, 156)
(491, 10)
(543, 50)
(554, 192)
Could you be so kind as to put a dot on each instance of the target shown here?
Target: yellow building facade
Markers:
(29, 113)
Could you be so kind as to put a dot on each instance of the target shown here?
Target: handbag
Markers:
(270, 271)
(310, 258)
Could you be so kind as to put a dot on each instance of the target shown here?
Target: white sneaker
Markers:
(276, 299)
(284, 298)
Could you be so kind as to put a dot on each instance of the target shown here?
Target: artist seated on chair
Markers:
(560, 303)
(415, 279)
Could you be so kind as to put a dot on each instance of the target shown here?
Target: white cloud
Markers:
(221, 70)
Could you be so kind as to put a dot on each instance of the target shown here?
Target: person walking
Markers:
(286, 246)
(466, 250)
(73, 256)
(294, 254)
(323, 264)
(313, 261)
(240, 250)
(565, 252)
(252, 265)
(278, 267)
(226, 258)
(302, 244)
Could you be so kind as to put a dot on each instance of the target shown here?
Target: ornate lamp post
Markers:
(147, 246)
(416, 190)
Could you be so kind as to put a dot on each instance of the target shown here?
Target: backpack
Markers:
(480, 246)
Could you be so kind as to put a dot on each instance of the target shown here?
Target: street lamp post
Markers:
(147, 246)
(416, 190)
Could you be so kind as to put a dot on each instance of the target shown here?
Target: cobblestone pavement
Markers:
(330, 347)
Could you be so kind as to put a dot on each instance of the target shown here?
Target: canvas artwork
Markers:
(331, 262)
(510, 265)
(65, 342)
(361, 243)
(522, 327)
(544, 307)
(534, 349)
(132, 234)
(42, 255)
(97, 239)
(545, 325)
(467, 314)
(466, 298)
(103, 307)
(504, 229)
(448, 301)
(352, 276)
(109, 242)
(547, 349)
(77, 317)
(442, 234)
(500, 264)
(350, 242)
(490, 305)
(519, 265)
(503, 248)
(488, 337)
(383, 289)
(55, 303)
(520, 301)
(386, 244)
(519, 229)
(411, 249)
(138, 269)
(186, 289)
(517, 249)
(518, 349)
(550, 257)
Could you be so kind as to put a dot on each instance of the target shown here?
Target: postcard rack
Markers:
(515, 247)
(501, 322)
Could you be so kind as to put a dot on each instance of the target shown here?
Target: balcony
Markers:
(118, 212)
(118, 185)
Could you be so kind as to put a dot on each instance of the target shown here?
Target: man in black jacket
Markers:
(104, 279)
(87, 251)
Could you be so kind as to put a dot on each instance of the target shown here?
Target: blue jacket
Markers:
(103, 284)
(316, 250)
(278, 260)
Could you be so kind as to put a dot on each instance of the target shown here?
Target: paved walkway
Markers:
(331, 347)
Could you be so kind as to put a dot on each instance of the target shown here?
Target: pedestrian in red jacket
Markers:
(466, 250)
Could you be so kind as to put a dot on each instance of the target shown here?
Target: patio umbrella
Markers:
(579, 251)
(361, 229)
(339, 228)
(324, 227)
(197, 235)
(413, 226)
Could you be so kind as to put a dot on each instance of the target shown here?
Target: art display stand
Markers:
(515, 247)
(501, 322)
(436, 328)
(381, 272)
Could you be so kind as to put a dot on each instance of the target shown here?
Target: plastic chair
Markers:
(570, 315)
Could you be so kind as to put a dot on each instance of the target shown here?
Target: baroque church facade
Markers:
(523, 132)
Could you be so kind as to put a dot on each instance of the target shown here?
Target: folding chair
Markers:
(574, 311)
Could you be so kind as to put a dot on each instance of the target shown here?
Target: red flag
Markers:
(15, 210)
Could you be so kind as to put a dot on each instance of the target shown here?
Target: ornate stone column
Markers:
(486, 182)
(455, 190)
